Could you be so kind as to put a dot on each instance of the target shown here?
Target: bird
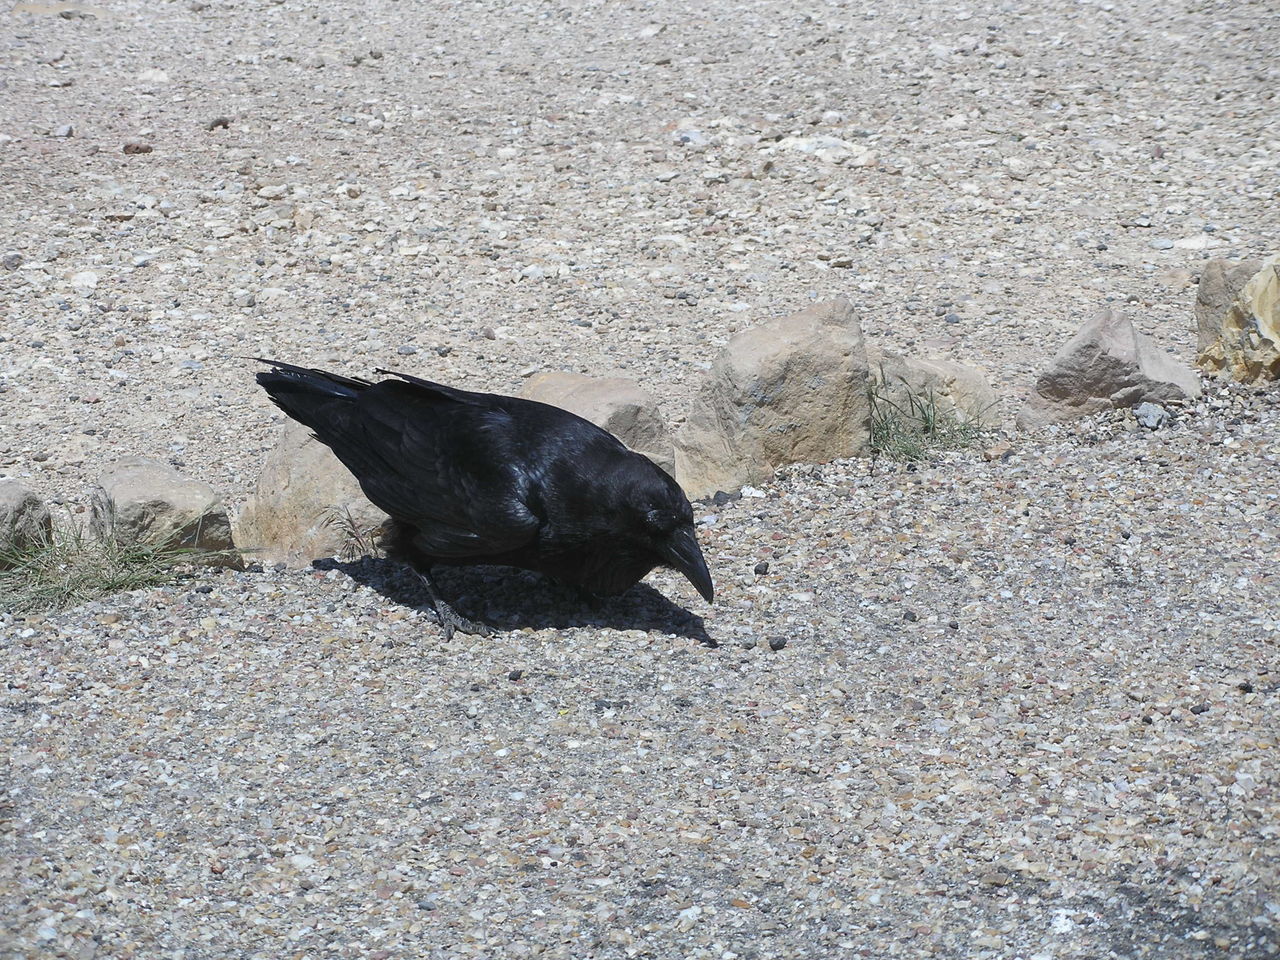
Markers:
(479, 478)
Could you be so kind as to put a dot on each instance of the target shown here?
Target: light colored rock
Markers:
(24, 519)
(1238, 319)
(1106, 364)
(616, 404)
(302, 503)
(954, 387)
(793, 390)
(141, 500)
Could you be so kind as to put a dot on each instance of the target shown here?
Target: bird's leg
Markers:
(449, 618)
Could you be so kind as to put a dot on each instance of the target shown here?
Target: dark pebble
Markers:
(1200, 708)
(952, 318)
(136, 148)
(911, 616)
(253, 568)
(1245, 687)
(217, 122)
(777, 643)
(953, 625)
(204, 588)
(515, 674)
(762, 567)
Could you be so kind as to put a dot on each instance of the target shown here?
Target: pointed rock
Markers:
(1107, 364)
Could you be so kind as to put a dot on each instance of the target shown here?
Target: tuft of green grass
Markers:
(916, 425)
(72, 566)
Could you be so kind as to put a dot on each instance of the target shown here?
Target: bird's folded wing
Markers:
(445, 467)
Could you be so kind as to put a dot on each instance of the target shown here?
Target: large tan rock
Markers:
(1106, 364)
(1238, 319)
(24, 520)
(616, 404)
(953, 387)
(793, 390)
(141, 500)
(305, 504)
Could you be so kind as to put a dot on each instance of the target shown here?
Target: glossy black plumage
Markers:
(476, 478)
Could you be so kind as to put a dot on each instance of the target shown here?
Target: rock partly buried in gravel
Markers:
(306, 505)
(952, 387)
(141, 500)
(793, 390)
(616, 404)
(24, 519)
(1238, 319)
(1108, 364)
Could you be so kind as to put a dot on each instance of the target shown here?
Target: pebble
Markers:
(777, 642)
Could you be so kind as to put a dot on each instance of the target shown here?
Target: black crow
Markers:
(471, 478)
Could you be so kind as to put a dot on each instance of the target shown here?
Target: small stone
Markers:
(515, 674)
(406, 349)
(998, 451)
(134, 147)
(1151, 415)
(11, 260)
(911, 616)
(777, 643)
(762, 568)
(63, 130)
(216, 122)
(1200, 708)
(1162, 244)
(749, 643)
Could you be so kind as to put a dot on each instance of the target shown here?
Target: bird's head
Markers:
(663, 521)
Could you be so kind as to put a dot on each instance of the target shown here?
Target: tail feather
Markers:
(305, 394)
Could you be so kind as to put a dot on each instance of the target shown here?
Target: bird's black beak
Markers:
(684, 554)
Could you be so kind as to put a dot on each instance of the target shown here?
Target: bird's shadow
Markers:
(503, 598)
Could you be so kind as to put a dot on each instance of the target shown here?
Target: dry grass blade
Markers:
(73, 567)
(357, 541)
(911, 430)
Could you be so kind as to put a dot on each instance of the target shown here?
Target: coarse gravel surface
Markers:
(1019, 707)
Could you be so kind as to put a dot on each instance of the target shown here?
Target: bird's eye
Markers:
(660, 521)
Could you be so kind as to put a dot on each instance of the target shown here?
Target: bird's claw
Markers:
(453, 622)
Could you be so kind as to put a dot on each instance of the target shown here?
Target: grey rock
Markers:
(141, 500)
(1151, 415)
(1107, 364)
(11, 260)
(306, 505)
(615, 404)
(792, 390)
(63, 130)
(24, 519)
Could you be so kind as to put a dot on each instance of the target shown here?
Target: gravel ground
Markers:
(1024, 707)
